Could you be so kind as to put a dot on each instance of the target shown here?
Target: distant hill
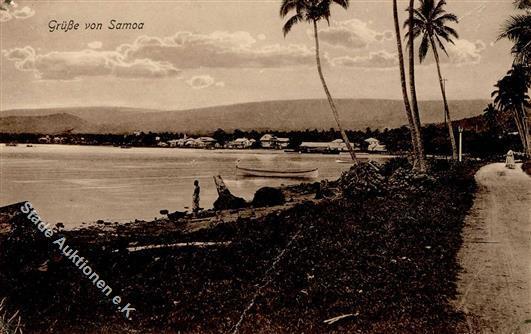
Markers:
(269, 115)
(54, 123)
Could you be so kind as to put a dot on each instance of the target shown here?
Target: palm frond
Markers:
(441, 45)
(343, 3)
(430, 21)
(516, 27)
(522, 4)
(291, 22)
(448, 17)
(287, 6)
(424, 47)
(450, 32)
(438, 9)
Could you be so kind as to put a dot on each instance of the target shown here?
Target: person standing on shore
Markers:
(195, 198)
(509, 160)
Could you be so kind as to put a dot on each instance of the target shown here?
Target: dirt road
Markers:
(494, 285)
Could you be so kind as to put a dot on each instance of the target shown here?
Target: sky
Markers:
(192, 54)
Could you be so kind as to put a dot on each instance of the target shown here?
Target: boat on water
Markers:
(11, 144)
(299, 173)
(126, 146)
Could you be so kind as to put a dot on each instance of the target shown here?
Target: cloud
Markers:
(75, 64)
(378, 59)
(353, 34)
(219, 49)
(201, 81)
(476, 11)
(95, 45)
(465, 52)
(155, 57)
(21, 14)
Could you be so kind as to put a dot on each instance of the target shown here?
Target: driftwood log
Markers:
(226, 200)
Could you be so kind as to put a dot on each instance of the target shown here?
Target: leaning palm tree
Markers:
(421, 161)
(429, 23)
(511, 96)
(403, 82)
(313, 11)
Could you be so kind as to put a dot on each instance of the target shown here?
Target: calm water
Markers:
(75, 184)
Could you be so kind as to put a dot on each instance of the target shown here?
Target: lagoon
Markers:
(75, 184)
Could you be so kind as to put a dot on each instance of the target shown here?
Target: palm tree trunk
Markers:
(329, 96)
(445, 101)
(413, 90)
(401, 66)
(526, 140)
(519, 127)
(525, 114)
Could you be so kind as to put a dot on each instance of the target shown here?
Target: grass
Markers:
(9, 324)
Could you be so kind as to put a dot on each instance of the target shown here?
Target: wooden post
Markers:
(460, 144)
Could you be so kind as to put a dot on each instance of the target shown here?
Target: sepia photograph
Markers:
(265, 166)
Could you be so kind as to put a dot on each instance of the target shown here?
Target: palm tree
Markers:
(522, 4)
(413, 90)
(429, 23)
(313, 11)
(401, 66)
(491, 115)
(511, 96)
(518, 30)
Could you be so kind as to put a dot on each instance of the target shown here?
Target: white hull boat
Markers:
(285, 173)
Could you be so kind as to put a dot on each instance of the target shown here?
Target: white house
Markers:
(44, 140)
(271, 141)
(268, 141)
(174, 142)
(201, 142)
(374, 145)
(282, 142)
(241, 143)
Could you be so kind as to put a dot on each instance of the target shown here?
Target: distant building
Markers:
(44, 140)
(174, 143)
(201, 142)
(241, 143)
(282, 143)
(314, 147)
(337, 145)
(268, 141)
(374, 145)
(271, 141)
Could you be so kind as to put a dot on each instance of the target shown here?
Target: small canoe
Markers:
(285, 173)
